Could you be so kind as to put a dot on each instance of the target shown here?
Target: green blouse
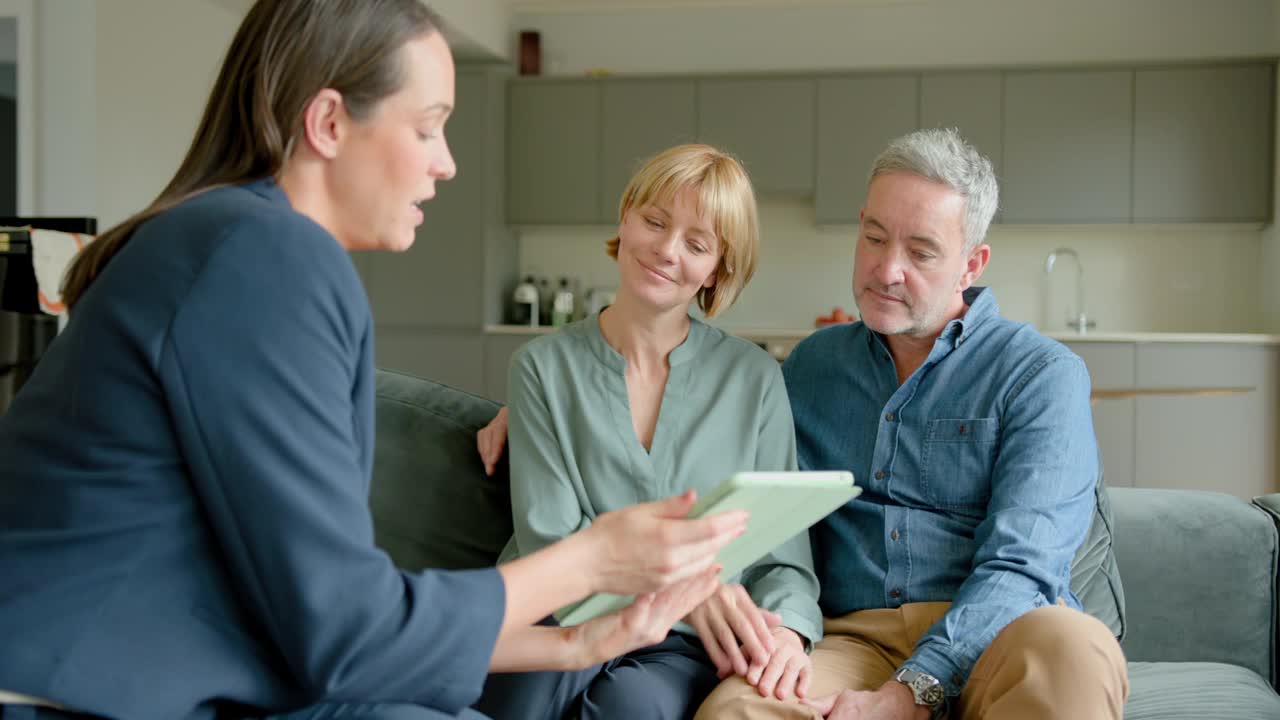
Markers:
(575, 454)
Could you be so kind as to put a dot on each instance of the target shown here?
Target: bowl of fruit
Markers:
(837, 317)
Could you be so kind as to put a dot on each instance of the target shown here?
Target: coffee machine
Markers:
(25, 331)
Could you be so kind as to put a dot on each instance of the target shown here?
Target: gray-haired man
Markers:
(946, 585)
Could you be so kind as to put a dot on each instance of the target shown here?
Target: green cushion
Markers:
(1095, 576)
(1199, 576)
(432, 504)
(1198, 691)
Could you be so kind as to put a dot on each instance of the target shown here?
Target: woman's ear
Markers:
(325, 122)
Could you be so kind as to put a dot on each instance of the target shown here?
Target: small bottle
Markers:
(562, 305)
(524, 303)
(544, 301)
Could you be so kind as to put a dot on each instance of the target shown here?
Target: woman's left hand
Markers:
(788, 670)
(492, 440)
(728, 619)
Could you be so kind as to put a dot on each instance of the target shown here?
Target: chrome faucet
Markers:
(1080, 321)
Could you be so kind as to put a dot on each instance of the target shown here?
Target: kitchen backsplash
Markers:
(1149, 279)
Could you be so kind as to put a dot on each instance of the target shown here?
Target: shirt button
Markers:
(895, 593)
(894, 535)
(889, 417)
(956, 679)
(879, 474)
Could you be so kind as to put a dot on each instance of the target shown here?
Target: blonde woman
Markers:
(640, 401)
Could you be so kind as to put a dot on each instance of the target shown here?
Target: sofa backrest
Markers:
(1095, 575)
(433, 506)
(1200, 577)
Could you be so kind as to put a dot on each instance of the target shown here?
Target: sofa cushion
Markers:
(1095, 577)
(1198, 690)
(432, 504)
(1199, 574)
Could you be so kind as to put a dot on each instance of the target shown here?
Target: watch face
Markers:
(930, 691)
(927, 690)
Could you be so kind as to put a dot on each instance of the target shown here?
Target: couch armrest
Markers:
(1199, 574)
(1270, 504)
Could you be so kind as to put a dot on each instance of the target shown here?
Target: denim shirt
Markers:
(978, 475)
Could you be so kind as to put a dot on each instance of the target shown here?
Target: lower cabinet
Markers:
(453, 358)
(1226, 443)
(498, 350)
(1111, 366)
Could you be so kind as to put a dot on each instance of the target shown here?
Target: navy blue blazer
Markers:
(183, 490)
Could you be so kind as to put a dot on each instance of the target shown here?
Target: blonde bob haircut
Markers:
(724, 196)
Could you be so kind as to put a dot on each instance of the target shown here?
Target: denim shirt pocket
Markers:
(958, 457)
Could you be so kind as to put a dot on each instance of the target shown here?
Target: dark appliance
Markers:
(25, 331)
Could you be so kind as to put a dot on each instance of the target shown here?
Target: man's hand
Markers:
(492, 440)
(730, 618)
(788, 670)
(893, 701)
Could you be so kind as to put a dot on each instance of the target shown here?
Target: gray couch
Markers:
(1187, 580)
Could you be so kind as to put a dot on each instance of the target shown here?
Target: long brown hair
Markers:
(284, 52)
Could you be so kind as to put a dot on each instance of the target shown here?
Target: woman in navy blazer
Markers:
(184, 529)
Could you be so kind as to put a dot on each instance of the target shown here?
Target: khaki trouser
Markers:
(1053, 662)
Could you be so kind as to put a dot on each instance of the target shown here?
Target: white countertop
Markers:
(1111, 337)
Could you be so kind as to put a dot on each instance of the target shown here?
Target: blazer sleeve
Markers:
(259, 366)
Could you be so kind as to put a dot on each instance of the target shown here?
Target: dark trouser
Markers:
(334, 711)
(378, 711)
(666, 681)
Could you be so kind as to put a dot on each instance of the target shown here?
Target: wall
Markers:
(122, 92)
(902, 34)
(152, 78)
(67, 106)
(1198, 279)
(481, 24)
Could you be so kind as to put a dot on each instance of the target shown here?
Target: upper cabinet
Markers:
(768, 124)
(553, 152)
(857, 117)
(1068, 142)
(640, 118)
(969, 102)
(1124, 145)
(1203, 144)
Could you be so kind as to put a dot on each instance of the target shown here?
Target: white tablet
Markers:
(782, 505)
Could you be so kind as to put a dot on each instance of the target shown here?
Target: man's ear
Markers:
(974, 266)
(325, 122)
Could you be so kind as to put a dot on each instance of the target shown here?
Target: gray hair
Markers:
(942, 156)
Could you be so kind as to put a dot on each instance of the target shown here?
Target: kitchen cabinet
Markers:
(497, 359)
(1225, 443)
(431, 302)
(640, 118)
(553, 153)
(971, 102)
(455, 359)
(857, 117)
(1068, 142)
(1112, 366)
(768, 124)
(1203, 144)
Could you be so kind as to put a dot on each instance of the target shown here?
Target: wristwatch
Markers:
(924, 688)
